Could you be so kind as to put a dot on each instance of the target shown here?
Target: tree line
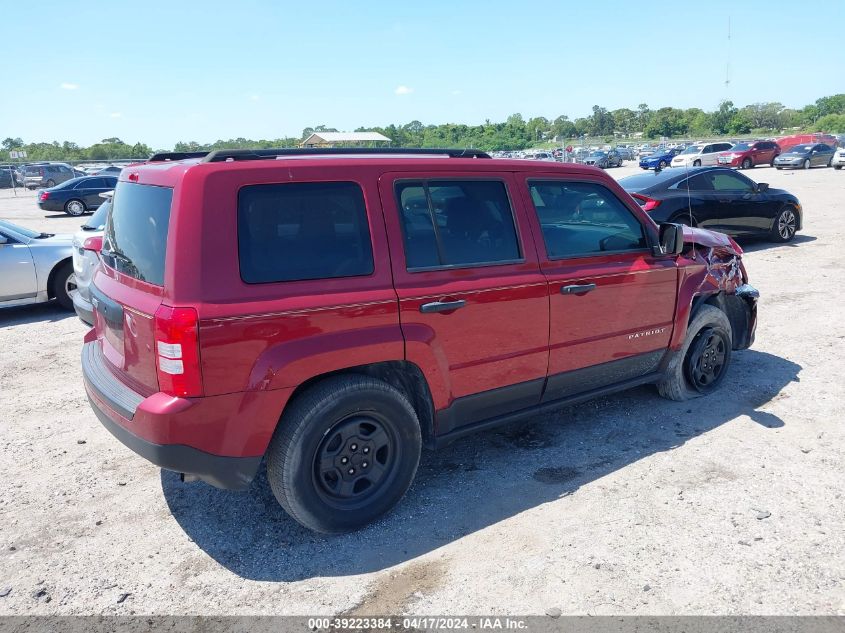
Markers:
(826, 114)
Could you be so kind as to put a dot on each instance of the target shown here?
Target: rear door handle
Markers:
(577, 290)
(442, 306)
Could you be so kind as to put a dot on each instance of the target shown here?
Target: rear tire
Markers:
(64, 285)
(51, 183)
(74, 207)
(699, 367)
(343, 424)
(837, 166)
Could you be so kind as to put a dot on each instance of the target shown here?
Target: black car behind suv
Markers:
(76, 196)
(719, 199)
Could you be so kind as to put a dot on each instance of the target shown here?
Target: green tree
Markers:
(721, 119)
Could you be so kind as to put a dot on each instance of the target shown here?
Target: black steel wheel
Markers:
(356, 460)
(707, 359)
(703, 360)
(344, 453)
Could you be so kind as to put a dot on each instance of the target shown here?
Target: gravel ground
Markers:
(630, 504)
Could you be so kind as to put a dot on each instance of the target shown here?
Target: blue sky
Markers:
(161, 72)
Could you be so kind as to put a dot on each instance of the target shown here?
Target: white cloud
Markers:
(69, 86)
(116, 115)
(255, 97)
(403, 90)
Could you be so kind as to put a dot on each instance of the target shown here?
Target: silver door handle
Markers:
(577, 290)
(442, 306)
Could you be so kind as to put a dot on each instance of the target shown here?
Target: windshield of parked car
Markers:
(598, 154)
(799, 149)
(692, 149)
(19, 230)
(97, 222)
(741, 147)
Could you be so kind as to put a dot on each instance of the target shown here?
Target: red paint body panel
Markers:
(500, 337)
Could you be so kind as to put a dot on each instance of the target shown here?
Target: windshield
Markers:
(598, 154)
(741, 147)
(692, 149)
(97, 222)
(19, 230)
(799, 149)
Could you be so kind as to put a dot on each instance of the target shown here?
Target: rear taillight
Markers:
(648, 204)
(177, 351)
(44, 196)
(93, 244)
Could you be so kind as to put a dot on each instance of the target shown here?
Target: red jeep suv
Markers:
(336, 310)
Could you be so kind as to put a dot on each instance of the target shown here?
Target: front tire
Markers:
(344, 453)
(747, 164)
(51, 183)
(661, 164)
(699, 367)
(783, 230)
(696, 163)
(74, 207)
(64, 285)
(807, 163)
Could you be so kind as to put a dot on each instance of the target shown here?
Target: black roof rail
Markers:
(222, 155)
(167, 156)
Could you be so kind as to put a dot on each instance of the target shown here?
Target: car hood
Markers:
(59, 239)
(711, 239)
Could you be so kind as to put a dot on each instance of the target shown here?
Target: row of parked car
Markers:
(49, 174)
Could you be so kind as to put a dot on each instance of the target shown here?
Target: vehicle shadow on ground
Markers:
(751, 244)
(474, 483)
(34, 313)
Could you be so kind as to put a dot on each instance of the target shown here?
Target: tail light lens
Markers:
(44, 196)
(177, 351)
(648, 204)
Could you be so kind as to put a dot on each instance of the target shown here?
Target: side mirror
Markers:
(762, 187)
(93, 244)
(671, 239)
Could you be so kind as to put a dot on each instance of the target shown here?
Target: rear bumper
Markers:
(84, 309)
(51, 205)
(136, 421)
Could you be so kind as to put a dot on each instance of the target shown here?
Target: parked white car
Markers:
(700, 155)
(838, 158)
(86, 260)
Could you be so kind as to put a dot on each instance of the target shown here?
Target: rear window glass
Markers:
(299, 231)
(135, 238)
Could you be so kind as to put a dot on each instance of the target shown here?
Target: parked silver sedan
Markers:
(35, 267)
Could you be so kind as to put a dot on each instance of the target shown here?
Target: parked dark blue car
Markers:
(660, 159)
(76, 196)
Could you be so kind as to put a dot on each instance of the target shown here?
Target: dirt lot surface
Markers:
(630, 504)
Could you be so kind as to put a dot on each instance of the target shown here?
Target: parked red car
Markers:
(748, 155)
(335, 312)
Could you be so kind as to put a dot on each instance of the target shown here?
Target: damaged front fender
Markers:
(712, 272)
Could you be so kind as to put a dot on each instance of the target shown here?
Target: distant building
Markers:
(330, 139)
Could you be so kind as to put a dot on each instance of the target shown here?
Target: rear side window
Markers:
(299, 231)
(456, 223)
(583, 219)
(135, 237)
